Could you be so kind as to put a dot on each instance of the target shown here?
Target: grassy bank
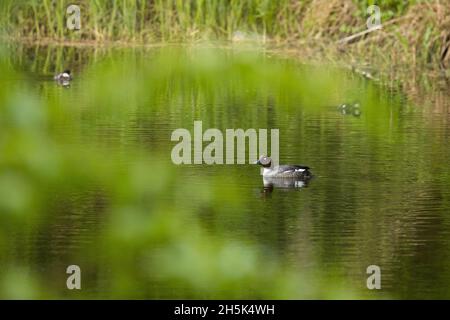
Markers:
(150, 20)
(415, 34)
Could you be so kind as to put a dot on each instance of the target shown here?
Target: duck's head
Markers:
(264, 161)
(67, 71)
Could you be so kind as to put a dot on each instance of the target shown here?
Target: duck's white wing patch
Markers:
(291, 169)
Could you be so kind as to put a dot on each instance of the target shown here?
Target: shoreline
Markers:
(413, 80)
(411, 48)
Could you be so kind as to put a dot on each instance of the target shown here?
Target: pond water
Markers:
(380, 193)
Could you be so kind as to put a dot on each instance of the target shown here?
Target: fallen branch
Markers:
(358, 35)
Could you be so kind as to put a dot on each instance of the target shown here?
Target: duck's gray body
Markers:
(283, 171)
(287, 171)
(63, 77)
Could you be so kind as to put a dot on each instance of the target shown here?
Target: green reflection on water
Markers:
(86, 178)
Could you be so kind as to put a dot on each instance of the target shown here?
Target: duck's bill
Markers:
(257, 162)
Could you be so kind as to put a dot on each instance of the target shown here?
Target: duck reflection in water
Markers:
(283, 184)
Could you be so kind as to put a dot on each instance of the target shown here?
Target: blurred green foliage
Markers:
(65, 154)
(78, 186)
(148, 241)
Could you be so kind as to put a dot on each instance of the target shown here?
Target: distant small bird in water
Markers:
(350, 109)
(283, 171)
(64, 78)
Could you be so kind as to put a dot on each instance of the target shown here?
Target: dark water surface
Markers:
(380, 193)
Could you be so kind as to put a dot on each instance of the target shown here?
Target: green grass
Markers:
(417, 41)
(133, 20)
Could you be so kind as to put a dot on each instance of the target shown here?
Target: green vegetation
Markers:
(151, 236)
(133, 20)
(77, 187)
(414, 37)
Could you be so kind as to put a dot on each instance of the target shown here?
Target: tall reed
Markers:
(146, 20)
(318, 22)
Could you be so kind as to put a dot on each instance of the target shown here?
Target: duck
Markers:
(288, 171)
(64, 77)
(350, 108)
